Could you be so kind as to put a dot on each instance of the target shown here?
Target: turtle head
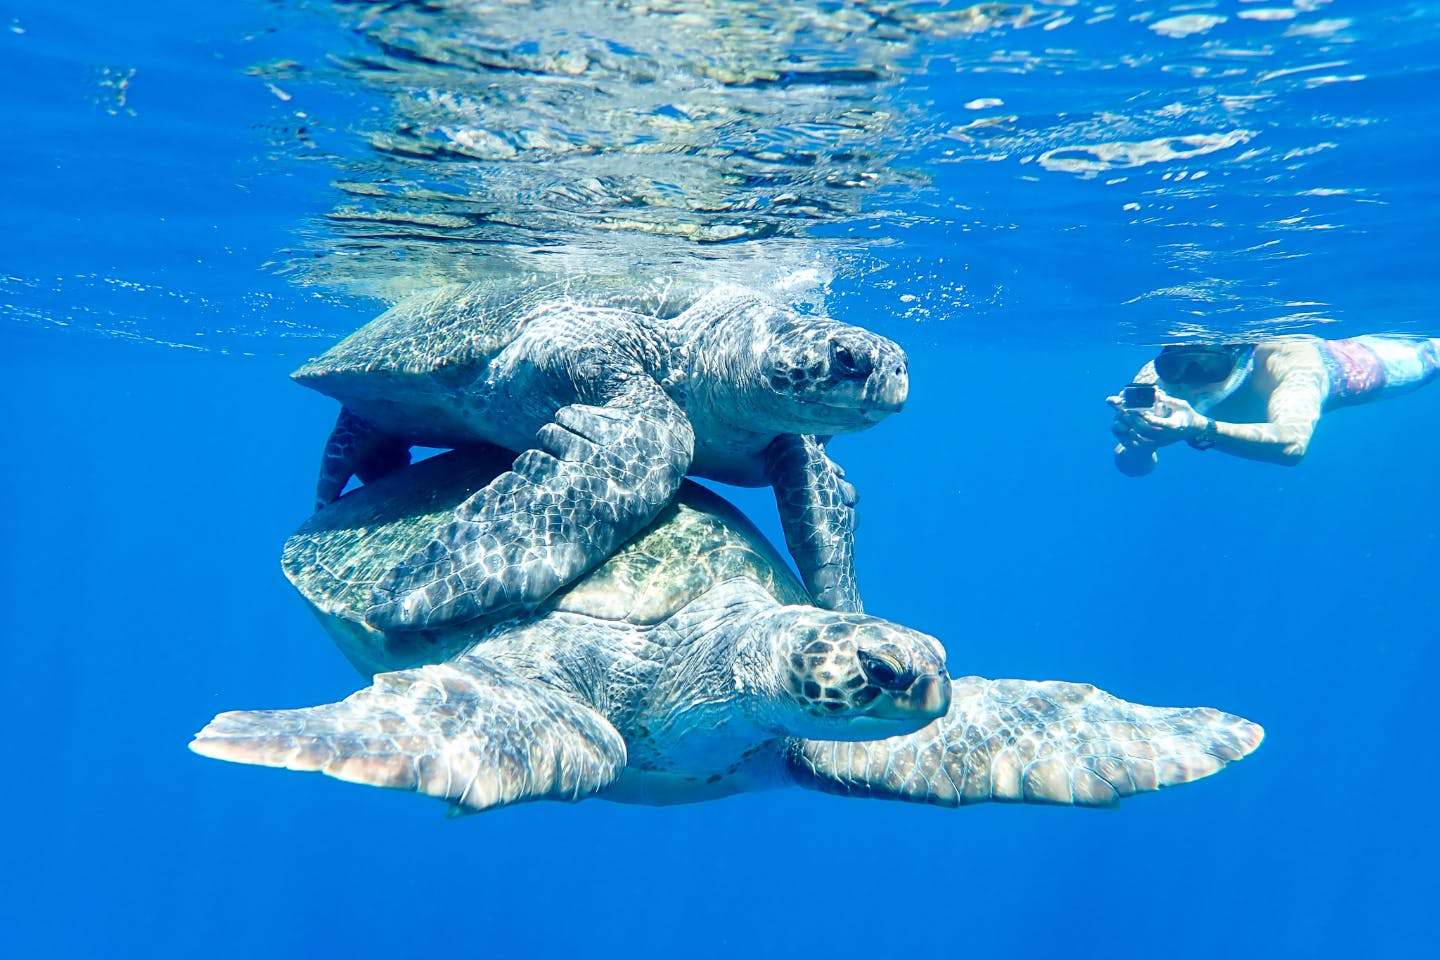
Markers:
(758, 360)
(848, 676)
(818, 376)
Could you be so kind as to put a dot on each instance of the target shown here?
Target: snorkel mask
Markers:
(1197, 364)
(1205, 373)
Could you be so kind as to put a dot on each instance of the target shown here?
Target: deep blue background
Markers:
(147, 489)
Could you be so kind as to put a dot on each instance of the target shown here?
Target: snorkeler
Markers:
(1259, 400)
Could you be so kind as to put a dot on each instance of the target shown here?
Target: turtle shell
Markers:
(334, 558)
(448, 330)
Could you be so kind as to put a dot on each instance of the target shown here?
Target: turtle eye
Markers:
(885, 671)
(847, 364)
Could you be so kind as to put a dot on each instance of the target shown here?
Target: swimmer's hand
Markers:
(1169, 421)
(1134, 456)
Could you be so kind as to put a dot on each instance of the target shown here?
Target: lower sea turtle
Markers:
(688, 666)
(615, 390)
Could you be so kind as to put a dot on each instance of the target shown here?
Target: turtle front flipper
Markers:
(356, 449)
(598, 476)
(470, 732)
(817, 512)
(1022, 741)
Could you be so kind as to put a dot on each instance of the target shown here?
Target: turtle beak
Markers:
(910, 670)
(931, 696)
(875, 367)
(928, 698)
(889, 384)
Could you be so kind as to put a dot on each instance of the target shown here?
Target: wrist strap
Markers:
(1205, 439)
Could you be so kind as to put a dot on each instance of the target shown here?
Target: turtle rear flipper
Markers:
(598, 476)
(1022, 741)
(356, 448)
(469, 732)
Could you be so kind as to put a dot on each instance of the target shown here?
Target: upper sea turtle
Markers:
(615, 390)
(688, 666)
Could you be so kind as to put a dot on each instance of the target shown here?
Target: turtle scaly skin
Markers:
(688, 666)
(615, 391)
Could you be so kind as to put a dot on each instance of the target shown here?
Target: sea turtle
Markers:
(687, 667)
(615, 390)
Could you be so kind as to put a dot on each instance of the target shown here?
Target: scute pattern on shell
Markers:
(335, 557)
(458, 327)
(694, 543)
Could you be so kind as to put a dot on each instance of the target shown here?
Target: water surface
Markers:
(1027, 198)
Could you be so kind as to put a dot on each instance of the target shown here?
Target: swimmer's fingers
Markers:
(1129, 438)
(1155, 429)
(1175, 408)
(1129, 416)
(1175, 403)
(1162, 429)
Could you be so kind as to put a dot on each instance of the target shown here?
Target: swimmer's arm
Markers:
(1292, 410)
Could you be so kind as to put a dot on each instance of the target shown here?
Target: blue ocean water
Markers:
(1056, 189)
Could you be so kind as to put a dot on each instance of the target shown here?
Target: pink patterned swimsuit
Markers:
(1369, 367)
